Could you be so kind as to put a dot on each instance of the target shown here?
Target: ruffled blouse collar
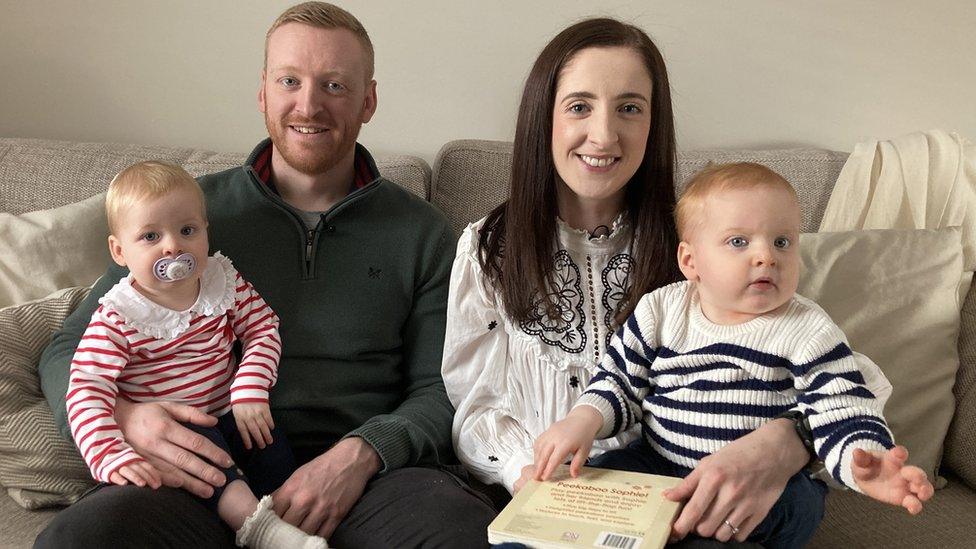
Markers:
(580, 240)
(217, 292)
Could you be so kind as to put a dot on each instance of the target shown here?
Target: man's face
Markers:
(315, 95)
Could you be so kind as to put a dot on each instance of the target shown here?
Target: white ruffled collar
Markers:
(579, 239)
(217, 291)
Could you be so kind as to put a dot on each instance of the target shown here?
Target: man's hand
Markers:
(885, 477)
(570, 435)
(177, 453)
(739, 483)
(254, 423)
(320, 493)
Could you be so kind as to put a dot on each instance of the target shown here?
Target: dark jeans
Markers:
(411, 507)
(790, 523)
(263, 469)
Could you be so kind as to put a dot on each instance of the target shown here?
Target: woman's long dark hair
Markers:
(518, 239)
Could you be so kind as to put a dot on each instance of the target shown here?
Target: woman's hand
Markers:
(571, 435)
(738, 484)
(153, 430)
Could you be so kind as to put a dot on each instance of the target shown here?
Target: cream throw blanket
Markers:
(923, 180)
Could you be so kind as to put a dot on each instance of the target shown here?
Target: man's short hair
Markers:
(145, 181)
(715, 178)
(324, 16)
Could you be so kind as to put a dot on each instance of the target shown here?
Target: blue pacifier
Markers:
(171, 269)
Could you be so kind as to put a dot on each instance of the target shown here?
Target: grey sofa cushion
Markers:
(471, 176)
(854, 520)
(960, 444)
(37, 174)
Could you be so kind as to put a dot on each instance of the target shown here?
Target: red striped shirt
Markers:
(196, 368)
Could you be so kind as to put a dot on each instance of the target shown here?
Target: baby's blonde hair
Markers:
(716, 178)
(146, 180)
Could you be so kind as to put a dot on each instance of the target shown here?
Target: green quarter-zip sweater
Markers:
(362, 301)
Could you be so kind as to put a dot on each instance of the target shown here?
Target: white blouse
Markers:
(510, 381)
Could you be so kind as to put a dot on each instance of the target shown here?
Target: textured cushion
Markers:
(812, 172)
(47, 250)
(38, 467)
(895, 293)
(472, 176)
(18, 526)
(960, 455)
(854, 520)
(38, 174)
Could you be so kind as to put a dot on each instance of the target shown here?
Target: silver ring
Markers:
(734, 529)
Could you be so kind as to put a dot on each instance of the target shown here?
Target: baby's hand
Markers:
(572, 435)
(885, 477)
(139, 473)
(254, 422)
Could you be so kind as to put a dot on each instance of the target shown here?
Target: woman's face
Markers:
(600, 121)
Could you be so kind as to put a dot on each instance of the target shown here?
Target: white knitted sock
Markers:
(265, 530)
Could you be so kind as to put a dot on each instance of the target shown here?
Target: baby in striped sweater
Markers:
(166, 333)
(702, 362)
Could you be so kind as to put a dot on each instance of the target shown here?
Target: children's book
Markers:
(599, 508)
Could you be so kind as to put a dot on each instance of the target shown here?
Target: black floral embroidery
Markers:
(573, 381)
(566, 329)
(492, 458)
(616, 280)
(492, 325)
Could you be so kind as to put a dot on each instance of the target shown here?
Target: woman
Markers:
(589, 220)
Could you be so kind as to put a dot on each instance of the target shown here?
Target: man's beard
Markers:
(305, 160)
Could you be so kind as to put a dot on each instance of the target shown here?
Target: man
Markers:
(357, 270)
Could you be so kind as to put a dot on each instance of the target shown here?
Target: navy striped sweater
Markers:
(695, 386)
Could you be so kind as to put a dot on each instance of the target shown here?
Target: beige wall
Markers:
(746, 73)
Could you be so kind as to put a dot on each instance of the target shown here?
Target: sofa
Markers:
(468, 179)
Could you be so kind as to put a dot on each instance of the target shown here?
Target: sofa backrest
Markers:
(37, 174)
(471, 177)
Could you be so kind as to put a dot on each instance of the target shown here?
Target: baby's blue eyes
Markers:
(153, 236)
(780, 242)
